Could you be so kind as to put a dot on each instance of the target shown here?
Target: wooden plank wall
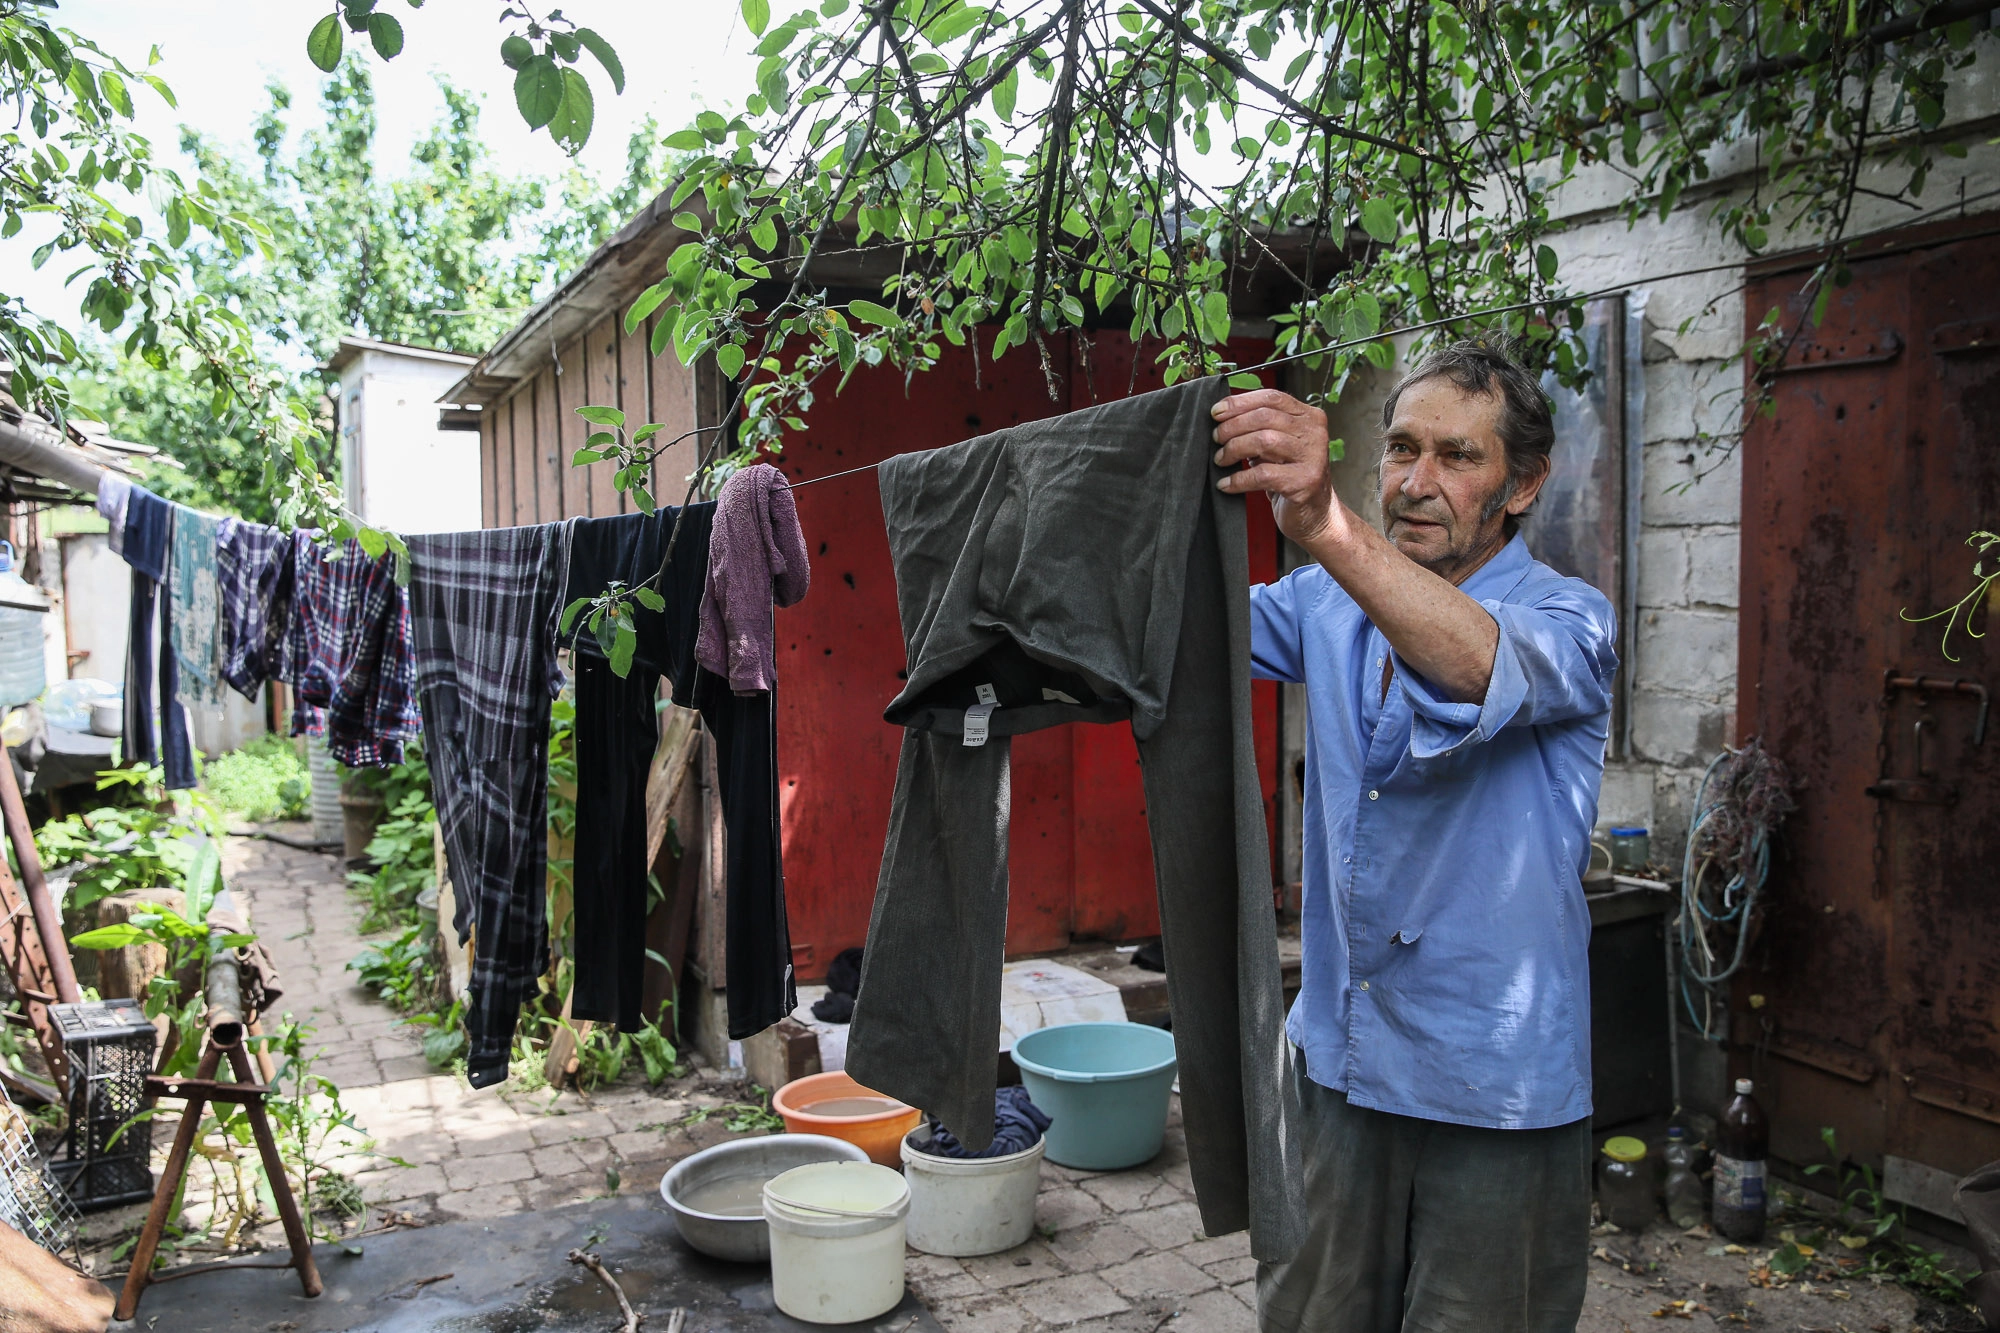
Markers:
(528, 438)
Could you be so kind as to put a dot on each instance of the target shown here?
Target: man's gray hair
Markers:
(1483, 365)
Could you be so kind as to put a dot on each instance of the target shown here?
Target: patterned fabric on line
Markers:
(197, 612)
(253, 570)
(482, 618)
(349, 645)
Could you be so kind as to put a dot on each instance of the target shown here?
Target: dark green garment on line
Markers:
(1083, 568)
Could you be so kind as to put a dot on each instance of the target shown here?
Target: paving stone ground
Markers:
(1115, 1252)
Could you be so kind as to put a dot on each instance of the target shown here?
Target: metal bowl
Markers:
(743, 1239)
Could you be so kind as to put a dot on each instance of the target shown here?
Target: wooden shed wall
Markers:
(528, 438)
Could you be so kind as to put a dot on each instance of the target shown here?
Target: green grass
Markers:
(264, 780)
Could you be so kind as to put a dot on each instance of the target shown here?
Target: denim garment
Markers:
(148, 544)
(1445, 932)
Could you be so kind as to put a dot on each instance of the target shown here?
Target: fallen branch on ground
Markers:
(632, 1317)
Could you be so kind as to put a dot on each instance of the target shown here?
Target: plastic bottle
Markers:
(1743, 1142)
(1625, 1185)
(1683, 1187)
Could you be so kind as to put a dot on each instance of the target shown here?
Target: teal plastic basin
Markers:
(1105, 1088)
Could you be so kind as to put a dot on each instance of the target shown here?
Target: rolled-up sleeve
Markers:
(1277, 648)
(1555, 661)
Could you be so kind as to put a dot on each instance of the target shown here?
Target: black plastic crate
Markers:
(110, 1048)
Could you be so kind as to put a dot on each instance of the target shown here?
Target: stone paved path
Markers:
(1113, 1252)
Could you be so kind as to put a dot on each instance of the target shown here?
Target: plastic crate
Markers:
(110, 1048)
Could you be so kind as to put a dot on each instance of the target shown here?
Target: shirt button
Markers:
(1347, 860)
(1364, 985)
(1374, 795)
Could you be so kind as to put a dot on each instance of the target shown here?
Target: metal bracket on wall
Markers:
(1822, 356)
(1964, 1098)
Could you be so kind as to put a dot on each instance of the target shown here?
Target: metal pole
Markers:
(48, 919)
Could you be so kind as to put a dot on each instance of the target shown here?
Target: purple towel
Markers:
(756, 555)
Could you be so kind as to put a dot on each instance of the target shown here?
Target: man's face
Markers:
(1444, 478)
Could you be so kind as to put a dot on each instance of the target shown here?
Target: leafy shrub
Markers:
(140, 846)
(262, 781)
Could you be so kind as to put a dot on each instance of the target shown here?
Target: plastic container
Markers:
(717, 1195)
(838, 1107)
(962, 1206)
(1631, 849)
(1106, 1088)
(1683, 1187)
(837, 1234)
(1742, 1143)
(1625, 1184)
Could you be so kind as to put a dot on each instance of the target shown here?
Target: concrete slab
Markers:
(507, 1275)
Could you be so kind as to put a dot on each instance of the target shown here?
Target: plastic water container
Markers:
(329, 821)
(1106, 1087)
(837, 1233)
(962, 1206)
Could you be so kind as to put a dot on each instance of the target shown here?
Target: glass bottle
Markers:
(1742, 1145)
(1625, 1184)
(1683, 1186)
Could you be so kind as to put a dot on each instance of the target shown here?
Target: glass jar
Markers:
(1685, 1202)
(1631, 850)
(1625, 1185)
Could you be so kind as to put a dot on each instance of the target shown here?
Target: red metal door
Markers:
(1081, 865)
(1871, 1003)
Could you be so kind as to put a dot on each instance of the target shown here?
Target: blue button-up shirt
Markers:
(1445, 932)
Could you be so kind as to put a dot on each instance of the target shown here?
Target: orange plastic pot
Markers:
(879, 1134)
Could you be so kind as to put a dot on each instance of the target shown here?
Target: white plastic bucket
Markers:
(962, 1206)
(837, 1231)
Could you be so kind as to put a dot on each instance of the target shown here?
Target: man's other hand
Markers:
(1284, 444)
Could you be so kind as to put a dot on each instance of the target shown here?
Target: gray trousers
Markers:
(1082, 569)
(1417, 1226)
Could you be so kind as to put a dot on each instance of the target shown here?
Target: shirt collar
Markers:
(1499, 576)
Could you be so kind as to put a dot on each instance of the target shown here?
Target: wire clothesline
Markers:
(1613, 290)
(1390, 333)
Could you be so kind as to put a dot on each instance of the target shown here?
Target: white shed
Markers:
(405, 466)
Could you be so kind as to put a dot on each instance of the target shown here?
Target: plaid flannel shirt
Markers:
(253, 572)
(348, 645)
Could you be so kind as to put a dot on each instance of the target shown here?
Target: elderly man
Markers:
(1458, 696)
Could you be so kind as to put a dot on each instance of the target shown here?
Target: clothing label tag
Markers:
(1739, 1184)
(986, 694)
(977, 723)
(1058, 697)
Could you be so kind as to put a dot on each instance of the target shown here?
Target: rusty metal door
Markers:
(1871, 1003)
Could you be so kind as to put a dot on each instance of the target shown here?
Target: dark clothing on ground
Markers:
(1421, 1226)
(148, 541)
(253, 569)
(758, 982)
(843, 983)
(482, 616)
(1018, 1125)
(1082, 569)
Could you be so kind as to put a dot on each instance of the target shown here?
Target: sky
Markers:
(217, 55)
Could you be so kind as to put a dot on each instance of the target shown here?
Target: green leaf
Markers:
(649, 301)
(644, 499)
(1243, 379)
(606, 57)
(584, 457)
(1482, 106)
(601, 416)
(756, 17)
(685, 141)
(764, 233)
(386, 34)
(570, 126)
(569, 614)
(538, 89)
(1006, 93)
(515, 51)
(1378, 218)
(1215, 313)
(202, 880)
(323, 43)
(870, 313)
(1368, 311)
(729, 359)
(622, 645)
(649, 599)
(1545, 263)
(109, 937)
